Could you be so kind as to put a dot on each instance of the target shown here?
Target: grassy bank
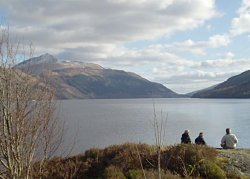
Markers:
(135, 161)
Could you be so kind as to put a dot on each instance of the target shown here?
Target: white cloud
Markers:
(244, 6)
(241, 24)
(73, 24)
(228, 55)
(199, 47)
(218, 41)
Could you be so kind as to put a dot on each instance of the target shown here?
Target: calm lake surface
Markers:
(102, 122)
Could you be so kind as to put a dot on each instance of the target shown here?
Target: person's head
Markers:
(186, 131)
(201, 134)
(228, 130)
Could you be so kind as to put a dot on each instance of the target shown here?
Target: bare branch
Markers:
(29, 130)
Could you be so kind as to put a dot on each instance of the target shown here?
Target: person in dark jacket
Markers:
(185, 139)
(200, 140)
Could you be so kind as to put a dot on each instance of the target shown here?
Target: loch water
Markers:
(102, 122)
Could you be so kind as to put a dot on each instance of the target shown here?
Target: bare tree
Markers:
(159, 132)
(29, 131)
(140, 160)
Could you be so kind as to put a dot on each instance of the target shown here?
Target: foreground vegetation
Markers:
(135, 161)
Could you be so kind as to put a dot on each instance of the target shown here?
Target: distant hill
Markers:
(199, 91)
(235, 87)
(74, 79)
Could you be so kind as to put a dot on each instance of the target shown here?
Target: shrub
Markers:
(122, 161)
(113, 172)
(93, 154)
(126, 156)
(185, 159)
(62, 168)
(137, 174)
(210, 169)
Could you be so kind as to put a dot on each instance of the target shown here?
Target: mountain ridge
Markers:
(79, 80)
(237, 86)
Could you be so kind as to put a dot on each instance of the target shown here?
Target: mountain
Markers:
(74, 79)
(235, 87)
(200, 91)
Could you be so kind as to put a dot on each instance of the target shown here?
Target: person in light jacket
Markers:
(229, 140)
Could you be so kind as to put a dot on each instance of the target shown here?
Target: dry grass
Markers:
(122, 161)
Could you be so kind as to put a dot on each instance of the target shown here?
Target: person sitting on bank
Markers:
(200, 140)
(229, 140)
(185, 139)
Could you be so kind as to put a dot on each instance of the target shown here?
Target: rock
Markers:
(238, 163)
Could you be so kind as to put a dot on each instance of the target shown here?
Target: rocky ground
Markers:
(237, 161)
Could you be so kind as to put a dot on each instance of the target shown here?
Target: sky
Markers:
(185, 45)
